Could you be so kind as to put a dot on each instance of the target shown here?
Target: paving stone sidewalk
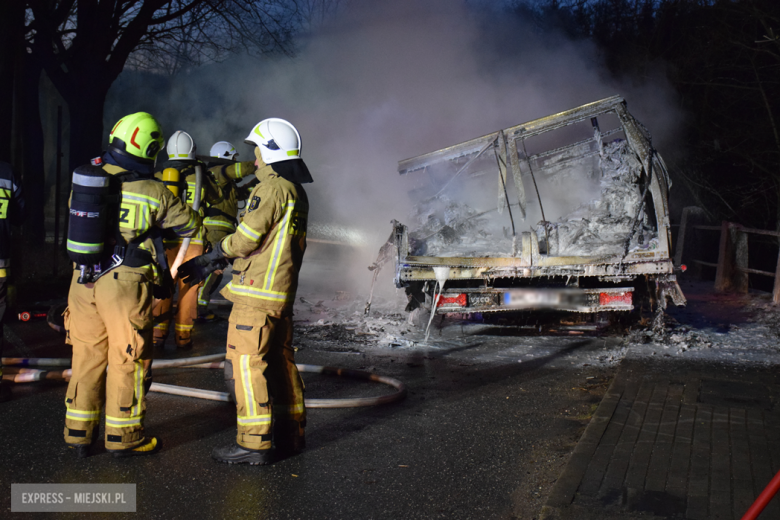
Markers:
(670, 439)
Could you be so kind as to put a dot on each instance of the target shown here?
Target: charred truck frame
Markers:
(535, 276)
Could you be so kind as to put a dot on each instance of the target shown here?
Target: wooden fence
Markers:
(731, 269)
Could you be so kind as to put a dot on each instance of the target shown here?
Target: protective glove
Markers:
(196, 270)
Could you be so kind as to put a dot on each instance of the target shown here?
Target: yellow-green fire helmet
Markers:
(138, 135)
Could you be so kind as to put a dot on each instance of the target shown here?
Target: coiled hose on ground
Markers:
(17, 370)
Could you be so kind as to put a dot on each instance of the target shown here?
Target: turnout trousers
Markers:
(109, 323)
(260, 372)
(187, 304)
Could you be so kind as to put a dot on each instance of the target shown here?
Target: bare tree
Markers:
(315, 13)
(84, 45)
(723, 57)
(11, 40)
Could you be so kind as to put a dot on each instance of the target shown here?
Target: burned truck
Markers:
(567, 214)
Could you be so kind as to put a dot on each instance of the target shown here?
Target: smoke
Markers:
(387, 81)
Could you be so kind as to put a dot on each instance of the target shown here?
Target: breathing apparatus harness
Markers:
(95, 242)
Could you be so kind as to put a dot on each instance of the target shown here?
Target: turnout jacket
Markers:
(222, 213)
(147, 203)
(268, 245)
(11, 213)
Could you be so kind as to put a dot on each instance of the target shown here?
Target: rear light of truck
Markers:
(459, 300)
(615, 298)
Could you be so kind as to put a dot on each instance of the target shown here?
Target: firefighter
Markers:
(267, 249)
(109, 315)
(181, 154)
(220, 216)
(11, 213)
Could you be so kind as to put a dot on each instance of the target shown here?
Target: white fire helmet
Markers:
(277, 139)
(181, 147)
(224, 150)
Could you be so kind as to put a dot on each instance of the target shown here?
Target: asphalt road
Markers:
(490, 420)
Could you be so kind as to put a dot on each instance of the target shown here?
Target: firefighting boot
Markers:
(184, 345)
(82, 451)
(158, 343)
(150, 446)
(206, 317)
(160, 334)
(184, 338)
(235, 454)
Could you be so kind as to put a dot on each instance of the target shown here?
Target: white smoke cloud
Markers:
(390, 80)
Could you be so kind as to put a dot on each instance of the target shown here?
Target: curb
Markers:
(567, 484)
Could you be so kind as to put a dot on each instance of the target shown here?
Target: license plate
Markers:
(531, 297)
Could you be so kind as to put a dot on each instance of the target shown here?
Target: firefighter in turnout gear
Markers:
(11, 213)
(181, 154)
(109, 315)
(220, 216)
(267, 251)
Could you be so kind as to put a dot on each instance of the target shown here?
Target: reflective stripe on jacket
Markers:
(147, 203)
(268, 245)
(223, 221)
(238, 170)
(11, 213)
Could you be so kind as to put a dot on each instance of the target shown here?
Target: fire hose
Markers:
(15, 370)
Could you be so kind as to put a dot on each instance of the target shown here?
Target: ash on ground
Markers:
(729, 328)
(337, 322)
(342, 318)
(671, 336)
